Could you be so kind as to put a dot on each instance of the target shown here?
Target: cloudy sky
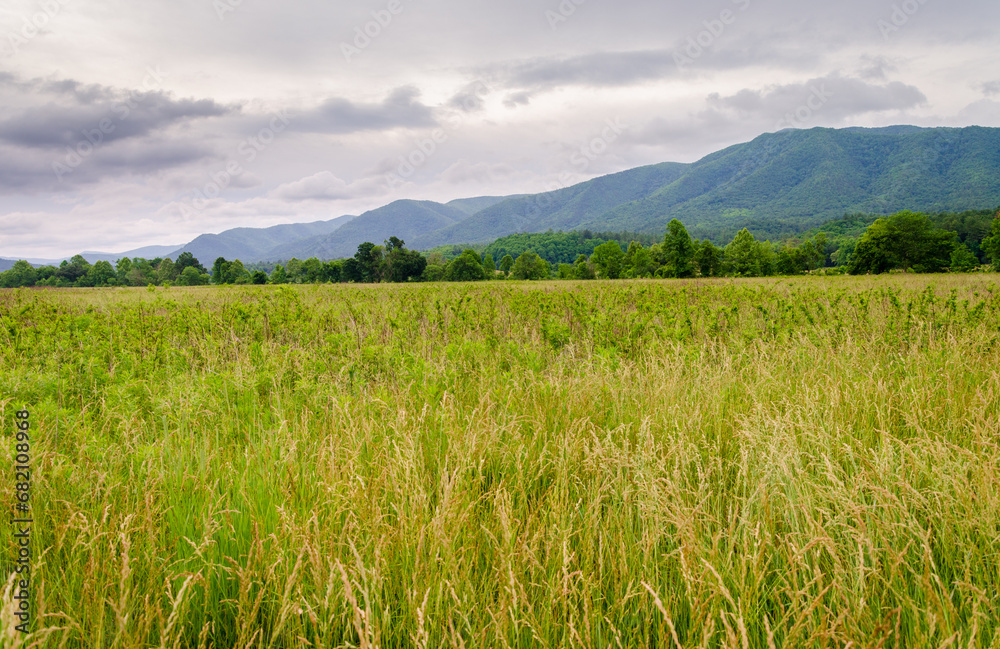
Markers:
(126, 123)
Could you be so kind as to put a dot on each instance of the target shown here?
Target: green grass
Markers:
(725, 463)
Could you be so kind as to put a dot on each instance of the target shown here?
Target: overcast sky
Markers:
(126, 123)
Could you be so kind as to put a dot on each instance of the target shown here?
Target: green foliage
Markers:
(607, 259)
(904, 240)
(743, 255)
(529, 265)
(962, 259)
(467, 267)
(678, 251)
(991, 244)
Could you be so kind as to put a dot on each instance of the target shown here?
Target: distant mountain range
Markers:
(777, 185)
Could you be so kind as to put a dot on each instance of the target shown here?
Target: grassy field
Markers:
(808, 462)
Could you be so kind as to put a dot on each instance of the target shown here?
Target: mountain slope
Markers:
(785, 182)
(404, 219)
(251, 244)
(560, 209)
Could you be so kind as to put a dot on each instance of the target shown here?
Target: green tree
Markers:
(123, 268)
(218, 270)
(991, 244)
(350, 271)
(191, 277)
(167, 271)
(904, 240)
(293, 269)
(583, 269)
(506, 264)
(607, 258)
(467, 267)
(369, 257)
(708, 258)
(678, 251)
(21, 274)
(743, 255)
(101, 274)
(278, 275)
(312, 270)
(185, 260)
(529, 265)
(638, 261)
(962, 259)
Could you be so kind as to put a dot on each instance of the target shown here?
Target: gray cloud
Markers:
(337, 115)
(991, 88)
(834, 97)
(46, 114)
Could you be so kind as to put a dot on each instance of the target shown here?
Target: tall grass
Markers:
(762, 463)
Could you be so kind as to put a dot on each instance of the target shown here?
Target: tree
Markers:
(73, 271)
(608, 257)
(331, 271)
(369, 258)
(123, 268)
(401, 265)
(21, 274)
(167, 271)
(904, 240)
(638, 262)
(529, 265)
(191, 277)
(467, 267)
(506, 264)
(489, 265)
(991, 244)
(217, 270)
(708, 258)
(294, 270)
(185, 260)
(350, 270)
(312, 270)
(743, 255)
(259, 277)
(101, 274)
(278, 275)
(962, 259)
(583, 269)
(678, 250)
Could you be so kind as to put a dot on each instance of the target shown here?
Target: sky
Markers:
(133, 123)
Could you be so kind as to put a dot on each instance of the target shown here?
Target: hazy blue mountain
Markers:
(146, 252)
(253, 244)
(405, 219)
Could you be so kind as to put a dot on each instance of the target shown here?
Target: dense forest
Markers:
(855, 244)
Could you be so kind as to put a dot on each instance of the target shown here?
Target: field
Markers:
(807, 462)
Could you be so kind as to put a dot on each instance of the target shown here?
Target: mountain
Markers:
(253, 244)
(406, 219)
(778, 184)
(562, 209)
(147, 252)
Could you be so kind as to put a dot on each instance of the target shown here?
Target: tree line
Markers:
(906, 241)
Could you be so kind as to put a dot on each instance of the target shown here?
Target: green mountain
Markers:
(777, 185)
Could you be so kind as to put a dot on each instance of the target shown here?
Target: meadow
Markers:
(807, 462)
